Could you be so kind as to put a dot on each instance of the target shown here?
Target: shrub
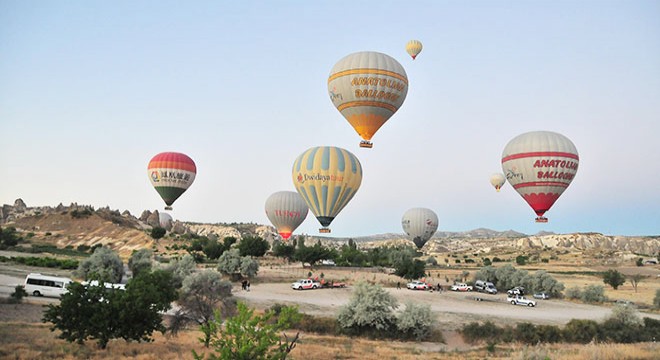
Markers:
(487, 262)
(158, 232)
(17, 296)
(369, 312)
(594, 294)
(549, 333)
(656, 299)
(574, 293)
(319, 325)
(580, 331)
(496, 259)
(475, 332)
(432, 261)
(104, 265)
(651, 329)
(415, 321)
(521, 259)
(526, 333)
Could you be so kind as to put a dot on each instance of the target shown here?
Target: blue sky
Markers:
(91, 90)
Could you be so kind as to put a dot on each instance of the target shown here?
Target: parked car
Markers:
(328, 262)
(485, 286)
(520, 300)
(417, 285)
(305, 284)
(461, 287)
(542, 296)
(518, 290)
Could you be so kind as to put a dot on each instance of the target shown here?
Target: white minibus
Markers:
(46, 285)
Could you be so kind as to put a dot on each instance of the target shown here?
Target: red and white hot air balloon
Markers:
(286, 210)
(171, 174)
(497, 180)
(540, 165)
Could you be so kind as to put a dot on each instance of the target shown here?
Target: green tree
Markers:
(541, 281)
(247, 336)
(253, 246)
(521, 259)
(17, 296)
(158, 232)
(635, 280)
(312, 254)
(103, 265)
(283, 250)
(639, 262)
(656, 299)
(593, 294)
(580, 331)
(370, 311)
(213, 249)
(201, 295)
(9, 237)
(140, 261)
(415, 321)
(95, 312)
(613, 278)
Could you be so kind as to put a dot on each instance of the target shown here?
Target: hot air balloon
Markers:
(171, 174)
(540, 165)
(367, 88)
(420, 225)
(497, 180)
(286, 210)
(327, 178)
(414, 47)
(165, 220)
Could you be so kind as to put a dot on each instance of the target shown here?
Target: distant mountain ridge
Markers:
(80, 224)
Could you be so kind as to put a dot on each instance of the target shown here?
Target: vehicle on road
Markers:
(304, 284)
(328, 262)
(45, 285)
(417, 285)
(518, 290)
(461, 287)
(541, 296)
(485, 286)
(520, 300)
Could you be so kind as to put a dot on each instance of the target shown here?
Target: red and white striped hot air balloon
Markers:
(171, 174)
(540, 165)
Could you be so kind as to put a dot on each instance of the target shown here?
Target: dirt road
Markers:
(453, 309)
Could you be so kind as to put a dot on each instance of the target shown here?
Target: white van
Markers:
(485, 286)
(46, 285)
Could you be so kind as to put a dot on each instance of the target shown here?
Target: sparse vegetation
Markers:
(104, 265)
(47, 262)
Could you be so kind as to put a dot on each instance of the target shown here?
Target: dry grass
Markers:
(36, 341)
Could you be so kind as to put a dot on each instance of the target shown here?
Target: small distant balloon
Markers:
(327, 178)
(497, 180)
(540, 165)
(171, 174)
(414, 47)
(420, 224)
(165, 220)
(367, 88)
(286, 210)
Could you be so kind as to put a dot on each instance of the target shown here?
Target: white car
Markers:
(520, 300)
(303, 284)
(461, 287)
(417, 285)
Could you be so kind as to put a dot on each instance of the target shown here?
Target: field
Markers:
(23, 336)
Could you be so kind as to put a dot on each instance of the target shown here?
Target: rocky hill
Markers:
(75, 225)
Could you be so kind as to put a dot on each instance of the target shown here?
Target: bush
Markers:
(594, 294)
(549, 333)
(415, 322)
(17, 296)
(521, 259)
(432, 261)
(574, 293)
(104, 265)
(370, 312)
(318, 325)
(656, 299)
(158, 232)
(475, 332)
(580, 331)
(526, 333)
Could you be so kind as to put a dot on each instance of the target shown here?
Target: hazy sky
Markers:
(91, 90)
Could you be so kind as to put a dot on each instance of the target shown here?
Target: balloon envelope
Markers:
(497, 180)
(327, 178)
(171, 174)
(367, 88)
(286, 210)
(420, 224)
(540, 165)
(413, 48)
(165, 220)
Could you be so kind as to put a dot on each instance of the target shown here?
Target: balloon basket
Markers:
(168, 208)
(324, 230)
(366, 144)
(541, 219)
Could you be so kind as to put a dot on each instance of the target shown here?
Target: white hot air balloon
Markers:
(497, 180)
(420, 224)
(165, 220)
(540, 165)
(286, 210)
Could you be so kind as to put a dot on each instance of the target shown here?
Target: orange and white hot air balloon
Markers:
(413, 48)
(497, 180)
(171, 174)
(367, 88)
(540, 165)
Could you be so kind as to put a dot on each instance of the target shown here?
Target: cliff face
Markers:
(75, 225)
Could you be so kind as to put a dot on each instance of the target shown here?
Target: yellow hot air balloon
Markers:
(497, 180)
(414, 47)
(367, 88)
(327, 178)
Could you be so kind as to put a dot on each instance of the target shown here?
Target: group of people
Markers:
(245, 284)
